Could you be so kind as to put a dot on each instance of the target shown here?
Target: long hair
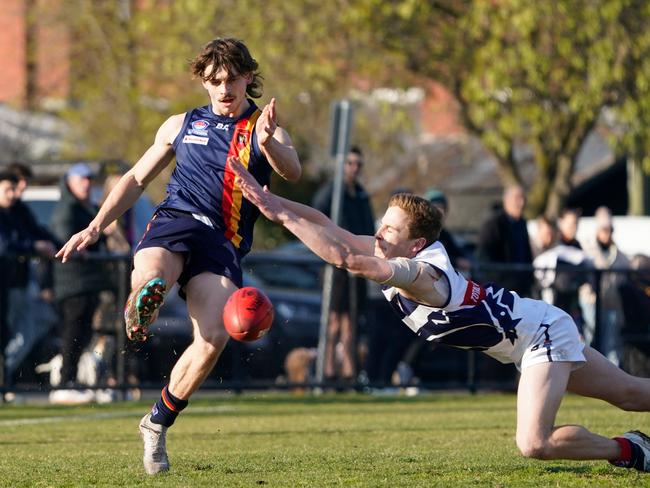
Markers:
(233, 56)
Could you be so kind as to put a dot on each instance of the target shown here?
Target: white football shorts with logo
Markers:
(555, 340)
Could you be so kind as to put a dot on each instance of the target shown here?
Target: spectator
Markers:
(606, 256)
(561, 265)
(503, 238)
(357, 217)
(545, 235)
(567, 224)
(20, 238)
(455, 253)
(560, 271)
(77, 284)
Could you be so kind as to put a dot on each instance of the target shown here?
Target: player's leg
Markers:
(601, 379)
(541, 388)
(349, 349)
(207, 294)
(155, 270)
(333, 331)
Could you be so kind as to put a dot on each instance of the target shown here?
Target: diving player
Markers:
(199, 233)
(439, 304)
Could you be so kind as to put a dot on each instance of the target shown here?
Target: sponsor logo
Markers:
(196, 140)
(474, 293)
(221, 126)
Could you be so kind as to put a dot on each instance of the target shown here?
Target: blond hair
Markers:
(425, 220)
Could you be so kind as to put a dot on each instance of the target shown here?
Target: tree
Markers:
(534, 74)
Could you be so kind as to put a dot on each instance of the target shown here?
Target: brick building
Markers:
(34, 54)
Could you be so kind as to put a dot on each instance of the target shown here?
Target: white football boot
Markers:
(155, 452)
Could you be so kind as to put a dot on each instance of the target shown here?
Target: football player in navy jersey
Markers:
(440, 305)
(200, 231)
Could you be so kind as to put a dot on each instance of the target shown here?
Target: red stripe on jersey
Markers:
(474, 293)
(232, 197)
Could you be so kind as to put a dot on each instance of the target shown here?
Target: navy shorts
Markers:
(204, 248)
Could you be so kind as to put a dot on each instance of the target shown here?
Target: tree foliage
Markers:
(525, 74)
(537, 74)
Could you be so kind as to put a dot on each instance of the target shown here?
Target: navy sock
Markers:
(167, 408)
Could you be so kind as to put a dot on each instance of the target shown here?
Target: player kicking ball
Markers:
(203, 228)
(439, 304)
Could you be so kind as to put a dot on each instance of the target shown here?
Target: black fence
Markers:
(611, 308)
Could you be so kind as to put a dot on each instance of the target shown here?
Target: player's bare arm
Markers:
(276, 145)
(279, 210)
(129, 188)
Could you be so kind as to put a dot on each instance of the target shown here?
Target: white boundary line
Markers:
(102, 416)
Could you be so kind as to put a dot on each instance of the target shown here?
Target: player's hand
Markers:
(78, 242)
(269, 204)
(266, 124)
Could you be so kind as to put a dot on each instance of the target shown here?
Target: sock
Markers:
(167, 408)
(631, 454)
(624, 460)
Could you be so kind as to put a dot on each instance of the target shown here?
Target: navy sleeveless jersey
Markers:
(202, 182)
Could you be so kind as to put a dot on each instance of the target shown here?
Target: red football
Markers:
(248, 314)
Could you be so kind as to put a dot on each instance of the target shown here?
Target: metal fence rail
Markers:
(467, 373)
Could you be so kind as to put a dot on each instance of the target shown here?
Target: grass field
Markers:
(283, 440)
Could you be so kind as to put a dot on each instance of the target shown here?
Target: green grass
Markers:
(271, 440)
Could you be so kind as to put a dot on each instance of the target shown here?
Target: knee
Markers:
(532, 447)
(141, 276)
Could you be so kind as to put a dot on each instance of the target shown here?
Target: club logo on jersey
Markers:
(474, 293)
(200, 125)
(199, 128)
(189, 139)
(242, 138)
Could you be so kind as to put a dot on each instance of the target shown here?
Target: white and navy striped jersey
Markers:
(486, 318)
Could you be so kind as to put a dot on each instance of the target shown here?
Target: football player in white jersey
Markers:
(440, 305)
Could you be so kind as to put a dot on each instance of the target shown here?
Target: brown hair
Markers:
(425, 218)
(233, 56)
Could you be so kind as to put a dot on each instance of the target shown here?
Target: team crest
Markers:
(200, 125)
(242, 138)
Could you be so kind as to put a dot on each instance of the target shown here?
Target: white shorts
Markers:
(556, 339)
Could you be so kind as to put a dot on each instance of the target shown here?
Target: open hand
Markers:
(269, 204)
(266, 123)
(78, 242)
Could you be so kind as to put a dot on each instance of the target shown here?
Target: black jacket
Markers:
(79, 275)
(499, 238)
(356, 211)
(19, 230)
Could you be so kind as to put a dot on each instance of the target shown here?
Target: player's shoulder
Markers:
(171, 127)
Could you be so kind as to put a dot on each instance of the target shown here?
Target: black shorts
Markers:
(204, 248)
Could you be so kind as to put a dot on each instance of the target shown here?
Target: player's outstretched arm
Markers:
(276, 145)
(129, 187)
(317, 231)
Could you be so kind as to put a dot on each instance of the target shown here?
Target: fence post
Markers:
(120, 333)
(597, 339)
